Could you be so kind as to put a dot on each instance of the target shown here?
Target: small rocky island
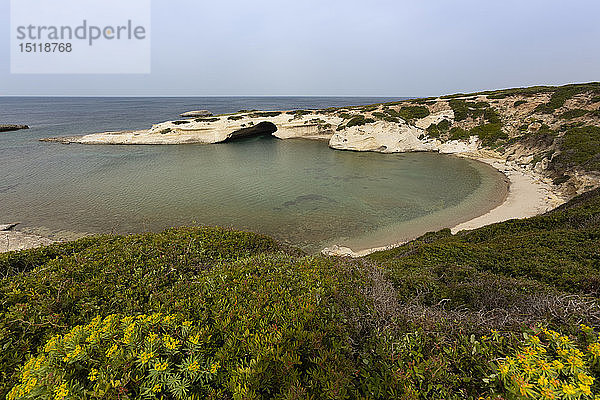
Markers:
(12, 127)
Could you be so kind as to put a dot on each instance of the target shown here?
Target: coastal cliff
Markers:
(551, 131)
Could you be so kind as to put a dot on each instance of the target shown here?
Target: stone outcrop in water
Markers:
(9, 127)
(197, 113)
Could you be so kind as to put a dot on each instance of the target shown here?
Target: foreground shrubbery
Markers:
(413, 322)
(138, 356)
(552, 366)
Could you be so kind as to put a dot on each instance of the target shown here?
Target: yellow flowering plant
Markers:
(146, 356)
(549, 365)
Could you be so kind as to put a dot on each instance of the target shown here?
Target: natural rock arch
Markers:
(264, 128)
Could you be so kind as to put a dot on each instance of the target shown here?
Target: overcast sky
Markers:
(344, 48)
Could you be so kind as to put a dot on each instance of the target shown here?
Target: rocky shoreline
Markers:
(11, 240)
(521, 132)
(12, 127)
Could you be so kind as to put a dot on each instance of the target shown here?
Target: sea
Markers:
(298, 191)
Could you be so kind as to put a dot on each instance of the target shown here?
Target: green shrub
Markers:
(519, 102)
(370, 108)
(385, 117)
(561, 179)
(549, 365)
(489, 134)
(581, 147)
(575, 113)
(267, 114)
(457, 133)
(543, 108)
(299, 112)
(461, 111)
(206, 119)
(145, 356)
(409, 113)
(433, 131)
(444, 125)
(358, 121)
(491, 116)
(235, 117)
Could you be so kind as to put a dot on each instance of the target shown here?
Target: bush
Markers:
(444, 125)
(385, 117)
(519, 102)
(549, 365)
(143, 356)
(580, 147)
(206, 119)
(344, 115)
(575, 113)
(489, 134)
(409, 113)
(491, 116)
(461, 111)
(433, 131)
(457, 133)
(359, 120)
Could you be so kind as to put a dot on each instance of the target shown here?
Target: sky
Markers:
(342, 48)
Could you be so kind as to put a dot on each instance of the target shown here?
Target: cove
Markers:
(298, 191)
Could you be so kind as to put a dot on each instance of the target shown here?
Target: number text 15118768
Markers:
(54, 47)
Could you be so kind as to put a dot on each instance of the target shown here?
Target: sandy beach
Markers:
(529, 194)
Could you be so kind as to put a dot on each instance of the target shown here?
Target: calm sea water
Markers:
(298, 191)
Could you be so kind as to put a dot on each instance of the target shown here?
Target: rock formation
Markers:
(7, 128)
(197, 113)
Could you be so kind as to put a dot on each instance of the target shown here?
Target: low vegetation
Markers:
(580, 146)
(409, 113)
(359, 120)
(212, 313)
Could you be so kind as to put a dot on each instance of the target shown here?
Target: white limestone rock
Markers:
(384, 137)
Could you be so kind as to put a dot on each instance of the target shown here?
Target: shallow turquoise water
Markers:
(298, 191)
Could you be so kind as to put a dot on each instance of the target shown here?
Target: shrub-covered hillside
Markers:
(211, 313)
(552, 129)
